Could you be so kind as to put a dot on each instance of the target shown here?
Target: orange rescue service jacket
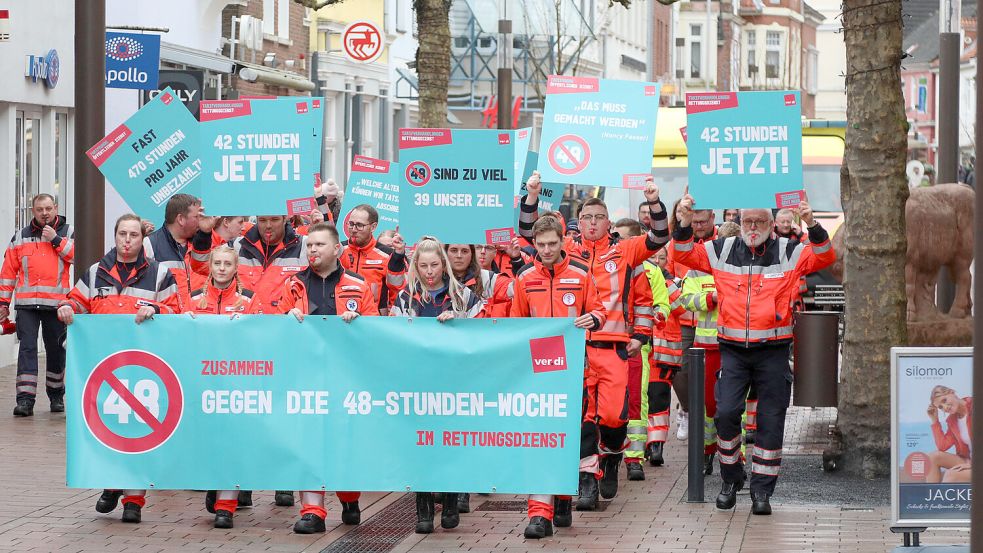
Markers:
(383, 269)
(35, 269)
(755, 287)
(497, 292)
(667, 342)
(229, 301)
(102, 291)
(566, 290)
(265, 272)
(612, 263)
(351, 293)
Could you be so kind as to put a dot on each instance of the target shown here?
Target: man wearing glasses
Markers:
(611, 262)
(756, 275)
(382, 267)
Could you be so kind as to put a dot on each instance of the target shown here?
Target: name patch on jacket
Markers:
(352, 288)
(293, 269)
(373, 262)
(569, 281)
(774, 275)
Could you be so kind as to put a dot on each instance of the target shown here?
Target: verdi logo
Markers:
(548, 354)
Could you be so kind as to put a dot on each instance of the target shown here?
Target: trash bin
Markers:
(816, 348)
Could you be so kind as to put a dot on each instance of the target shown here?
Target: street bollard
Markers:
(696, 362)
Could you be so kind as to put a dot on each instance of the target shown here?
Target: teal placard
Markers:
(163, 404)
(152, 156)
(375, 182)
(745, 149)
(598, 132)
(258, 155)
(459, 184)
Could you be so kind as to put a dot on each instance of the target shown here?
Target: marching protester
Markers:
(703, 230)
(170, 244)
(124, 281)
(36, 271)
(699, 296)
(432, 290)
(610, 263)
(269, 254)
(647, 306)
(325, 288)
(665, 361)
(494, 289)
(755, 276)
(383, 267)
(222, 294)
(555, 285)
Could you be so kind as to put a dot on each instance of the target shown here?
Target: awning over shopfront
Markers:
(258, 73)
(195, 58)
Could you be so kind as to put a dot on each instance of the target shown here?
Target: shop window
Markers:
(60, 186)
(27, 152)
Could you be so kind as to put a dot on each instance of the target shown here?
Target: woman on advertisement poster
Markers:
(957, 466)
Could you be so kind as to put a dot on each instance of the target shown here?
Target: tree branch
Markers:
(317, 4)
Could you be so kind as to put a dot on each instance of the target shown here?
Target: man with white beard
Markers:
(756, 279)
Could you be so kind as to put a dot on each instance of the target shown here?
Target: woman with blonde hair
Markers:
(222, 294)
(432, 291)
(958, 433)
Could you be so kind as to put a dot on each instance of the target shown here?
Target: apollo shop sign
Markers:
(132, 60)
(44, 67)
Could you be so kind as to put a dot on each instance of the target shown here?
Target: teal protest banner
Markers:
(374, 182)
(459, 184)
(260, 156)
(598, 132)
(745, 149)
(152, 156)
(163, 404)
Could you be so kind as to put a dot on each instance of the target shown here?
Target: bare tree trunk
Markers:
(433, 60)
(874, 194)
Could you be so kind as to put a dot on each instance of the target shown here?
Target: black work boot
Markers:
(25, 408)
(464, 503)
(350, 513)
(108, 501)
(223, 519)
(728, 494)
(131, 512)
(245, 498)
(654, 452)
(635, 472)
(760, 505)
(449, 517)
(286, 499)
(609, 481)
(538, 528)
(57, 404)
(562, 515)
(424, 513)
(210, 497)
(309, 524)
(708, 463)
(587, 492)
